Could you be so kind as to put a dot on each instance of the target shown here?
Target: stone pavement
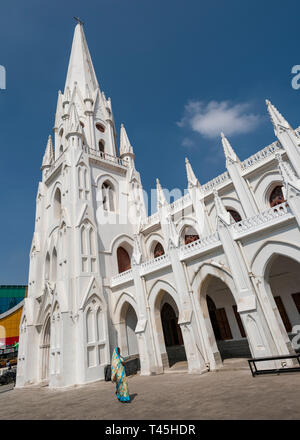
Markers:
(228, 394)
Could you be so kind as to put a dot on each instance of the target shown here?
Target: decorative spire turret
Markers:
(222, 213)
(228, 150)
(173, 234)
(48, 158)
(74, 121)
(161, 200)
(279, 122)
(192, 179)
(126, 148)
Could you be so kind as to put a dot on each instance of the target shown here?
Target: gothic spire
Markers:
(74, 122)
(277, 118)
(161, 200)
(49, 154)
(222, 213)
(287, 174)
(228, 150)
(192, 179)
(173, 234)
(81, 69)
(125, 146)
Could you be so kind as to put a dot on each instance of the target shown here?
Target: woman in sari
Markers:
(119, 377)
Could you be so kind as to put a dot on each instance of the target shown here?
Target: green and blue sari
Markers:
(119, 377)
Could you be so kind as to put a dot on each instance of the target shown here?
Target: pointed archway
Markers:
(225, 324)
(45, 351)
(170, 336)
(283, 278)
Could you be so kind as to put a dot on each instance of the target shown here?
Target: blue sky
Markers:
(175, 70)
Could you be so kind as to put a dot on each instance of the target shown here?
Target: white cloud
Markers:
(209, 119)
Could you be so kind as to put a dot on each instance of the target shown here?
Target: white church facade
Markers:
(217, 272)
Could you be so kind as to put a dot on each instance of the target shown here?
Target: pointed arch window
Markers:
(95, 333)
(101, 146)
(235, 215)
(57, 205)
(190, 234)
(83, 184)
(276, 197)
(124, 262)
(158, 250)
(108, 197)
(88, 248)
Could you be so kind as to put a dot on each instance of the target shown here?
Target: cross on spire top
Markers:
(78, 20)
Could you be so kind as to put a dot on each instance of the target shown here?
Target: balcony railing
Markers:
(261, 155)
(121, 278)
(155, 264)
(264, 218)
(219, 180)
(181, 203)
(152, 220)
(106, 157)
(199, 245)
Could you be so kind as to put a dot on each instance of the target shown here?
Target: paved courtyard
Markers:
(228, 394)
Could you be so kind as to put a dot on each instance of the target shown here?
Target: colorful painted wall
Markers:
(11, 306)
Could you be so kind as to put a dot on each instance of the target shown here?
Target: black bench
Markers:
(255, 372)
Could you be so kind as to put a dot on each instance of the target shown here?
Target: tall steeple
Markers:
(81, 69)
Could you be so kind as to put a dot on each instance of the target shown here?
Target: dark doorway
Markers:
(172, 331)
(172, 335)
(219, 321)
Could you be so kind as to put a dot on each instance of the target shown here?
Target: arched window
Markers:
(95, 333)
(108, 196)
(190, 235)
(101, 146)
(276, 197)
(100, 127)
(57, 205)
(82, 124)
(54, 266)
(158, 250)
(83, 184)
(123, 260)
(235, 215)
